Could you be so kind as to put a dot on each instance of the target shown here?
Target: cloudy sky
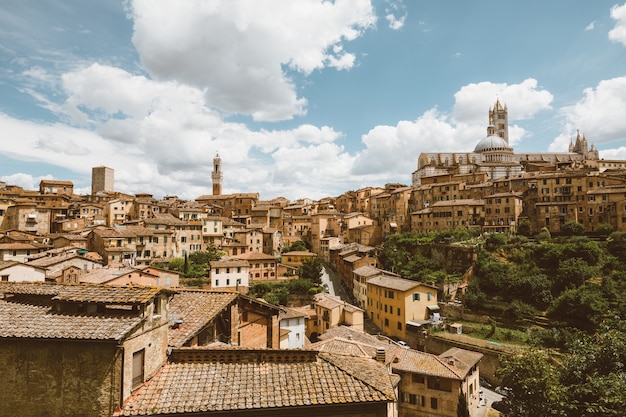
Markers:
(303, 98)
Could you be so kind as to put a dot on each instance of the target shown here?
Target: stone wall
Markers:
(453, 258)
(58, 378)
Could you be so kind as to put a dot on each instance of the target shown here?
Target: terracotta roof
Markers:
(290, 313)
(392, 282)
(461, 359)
(196, 309)
(367, 271)
(227, 263)
(409, 360)
(19, 320)
(352, 258)
(321, 379)
(38, 320)
(255, 256)
(7, 264)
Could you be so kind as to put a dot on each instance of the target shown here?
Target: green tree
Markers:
(176, 264)
(523, 228)
(462, 409)
(311, 270)
(616, 245)
(494, 241)
(206, 256)
(299, 286)
(571, 273)
(594, 372)
(534, 383)
(604, 229)
(572, 228)
(581, 307)
(297, 246)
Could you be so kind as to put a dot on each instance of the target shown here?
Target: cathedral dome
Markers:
(492, 143)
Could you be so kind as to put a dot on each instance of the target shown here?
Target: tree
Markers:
(534, 382)
(297, 246)
(311, 269)
(604, 229)
(594, 372)
(616, 245)
(494, 241)
(462, 410)
(572, 228)
(523, 228)
(581, 307)
(204, 257)
(571, 273)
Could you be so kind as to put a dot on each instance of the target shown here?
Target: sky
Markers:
(300, 99)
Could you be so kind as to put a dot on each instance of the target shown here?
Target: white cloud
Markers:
(236, 50)
(395, 22)
(618, 33)
(590, 26)
(160, 137)
(600, 113)
(524, 100)
(455, 132)
(616, 154)
(26, 181)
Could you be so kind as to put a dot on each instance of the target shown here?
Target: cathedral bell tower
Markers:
(499, 118)
(217, 175)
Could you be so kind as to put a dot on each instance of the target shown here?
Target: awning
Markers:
(433, 307)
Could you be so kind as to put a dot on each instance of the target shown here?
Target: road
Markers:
(489, 397)
(333, 281)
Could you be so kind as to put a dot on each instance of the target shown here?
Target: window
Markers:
(138, 366)
(398, 311)
(428, 296)
(416, 296)
(5, 278)
(227, 282)
(386, 322)
(217, 270)
(418, 378)
(399, 325)
(217, 282)
(433, 403)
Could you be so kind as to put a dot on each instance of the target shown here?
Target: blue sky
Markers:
(302, 98)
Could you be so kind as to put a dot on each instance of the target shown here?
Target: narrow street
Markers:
(332, 280)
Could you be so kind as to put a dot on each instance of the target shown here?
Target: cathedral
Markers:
(494, 156)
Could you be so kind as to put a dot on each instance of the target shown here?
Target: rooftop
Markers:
(193, 382)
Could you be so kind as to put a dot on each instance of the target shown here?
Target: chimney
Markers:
(380, 354)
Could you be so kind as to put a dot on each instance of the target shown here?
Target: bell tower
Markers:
(217, 175)
(499, 118)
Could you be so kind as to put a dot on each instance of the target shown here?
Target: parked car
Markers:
(503, 390)
(403, 344)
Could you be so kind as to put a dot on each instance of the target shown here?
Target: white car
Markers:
(403, 344)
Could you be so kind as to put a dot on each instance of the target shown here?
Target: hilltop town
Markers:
(94, 324)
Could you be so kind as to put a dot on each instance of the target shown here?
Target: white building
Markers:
(13, 271)
(292, 328)
(229, 274)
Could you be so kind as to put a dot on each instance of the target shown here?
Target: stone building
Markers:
(494, 156)
(78, 350)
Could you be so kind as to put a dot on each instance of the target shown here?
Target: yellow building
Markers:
(296, 258)
(392, 301)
